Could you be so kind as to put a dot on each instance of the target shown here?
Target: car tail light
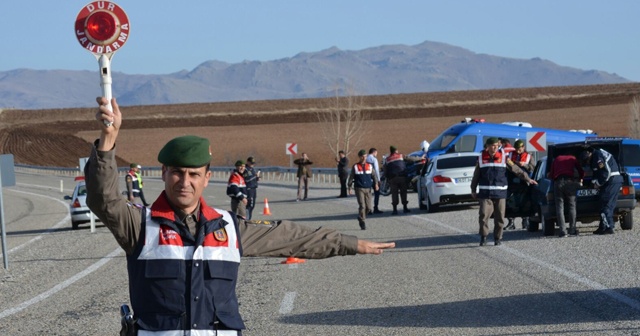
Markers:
(441, 179)
(626, 190)
(76, 204)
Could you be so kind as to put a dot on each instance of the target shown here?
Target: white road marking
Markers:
(61, 285)
(635, 304)
(62, 222)
(286, 306)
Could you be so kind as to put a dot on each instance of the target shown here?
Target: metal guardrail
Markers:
(281, 174)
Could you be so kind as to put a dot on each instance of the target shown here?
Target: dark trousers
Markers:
(343, 184)
(608, 198)
(398, 185)
(252, 193)
(565, 190)
(376, 198)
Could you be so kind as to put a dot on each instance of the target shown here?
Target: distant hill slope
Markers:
(390, 69)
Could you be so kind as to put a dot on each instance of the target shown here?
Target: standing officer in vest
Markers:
(237, 190)
(395, 171)
(490, 178)
(607, 178)
(183, 255)
(134, 184)
(364, 179)
(251, 179)
(522, 159)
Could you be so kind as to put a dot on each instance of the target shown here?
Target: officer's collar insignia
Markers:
(220, 235)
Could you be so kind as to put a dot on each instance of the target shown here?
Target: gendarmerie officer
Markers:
(251, 179)
(183, 255)
(607, 178)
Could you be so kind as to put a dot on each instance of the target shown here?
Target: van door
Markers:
(631, 153)
(524, 201)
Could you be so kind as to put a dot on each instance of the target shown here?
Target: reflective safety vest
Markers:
(185, 285)
(237, 187)
(363, 177)
(493, 181)
(605, 167)
(395, 166)
(523, 158)
(135, 182)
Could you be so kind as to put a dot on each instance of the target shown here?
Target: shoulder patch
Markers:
(128, 178)
(509, 162)
(263, 222)
(220, 235)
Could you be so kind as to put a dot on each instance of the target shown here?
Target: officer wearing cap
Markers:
(237, 190)
(133, 181)
(251, 179)
(606, 177)
(490, 179)
(364, 179)
(183, 255)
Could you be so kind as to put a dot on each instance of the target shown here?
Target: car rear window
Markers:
(457, 162)
(82, 190)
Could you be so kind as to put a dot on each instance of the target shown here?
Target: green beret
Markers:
(362, 152)
(518, 144)
(239, 163)
(251, 159)
(186, 151)
(133, 165)
(392, 149)
(491, 141)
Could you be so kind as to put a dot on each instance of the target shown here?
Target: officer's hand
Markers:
(531, 181)
(104, 114)
(369, 247)
(473, 194)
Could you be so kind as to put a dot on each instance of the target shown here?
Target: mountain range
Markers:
(388, 69)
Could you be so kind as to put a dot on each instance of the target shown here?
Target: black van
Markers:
(538, 202)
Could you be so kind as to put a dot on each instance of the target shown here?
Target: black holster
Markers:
(128, 323)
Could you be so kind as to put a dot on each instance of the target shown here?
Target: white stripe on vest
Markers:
(153, 250)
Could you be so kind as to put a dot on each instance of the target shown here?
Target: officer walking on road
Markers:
(237, 190)
(363, 178)
(490, 178)
(183, 255)
(251, 178)
(607, 178)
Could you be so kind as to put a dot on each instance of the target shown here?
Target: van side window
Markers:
(631, 155)
(467, 143)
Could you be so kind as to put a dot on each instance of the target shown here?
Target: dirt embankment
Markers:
(59, 137)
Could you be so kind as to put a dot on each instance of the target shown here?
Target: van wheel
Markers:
(626, 221)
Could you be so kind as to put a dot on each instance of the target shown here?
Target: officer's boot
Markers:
(376, 210)
(405, 210)
(525, 223)
(395, 210)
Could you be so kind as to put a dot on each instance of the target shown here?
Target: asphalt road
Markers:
(437, 281)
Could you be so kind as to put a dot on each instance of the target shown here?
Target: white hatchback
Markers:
(447, 180)
(78, 209)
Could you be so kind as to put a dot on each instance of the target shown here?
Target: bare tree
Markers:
(634, 124)
(344, 122)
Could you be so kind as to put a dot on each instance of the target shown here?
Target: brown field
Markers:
(262, 128)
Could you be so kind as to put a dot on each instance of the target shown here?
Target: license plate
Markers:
(587, 192)
(463, 180)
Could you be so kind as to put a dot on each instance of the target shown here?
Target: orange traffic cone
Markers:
(293, 260)
(266, 210)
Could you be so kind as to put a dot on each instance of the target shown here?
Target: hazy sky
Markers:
(169, 36)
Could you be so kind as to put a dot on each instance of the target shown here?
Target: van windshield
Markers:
(442, 141)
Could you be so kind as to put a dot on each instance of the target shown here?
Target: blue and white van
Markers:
(470, 136)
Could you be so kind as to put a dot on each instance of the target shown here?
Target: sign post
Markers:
(7, 179)
(102, 27)
(291, 149)
(536, 141)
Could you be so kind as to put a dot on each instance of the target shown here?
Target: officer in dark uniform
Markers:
(607, 178)
(183, 255)
(251, 179)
